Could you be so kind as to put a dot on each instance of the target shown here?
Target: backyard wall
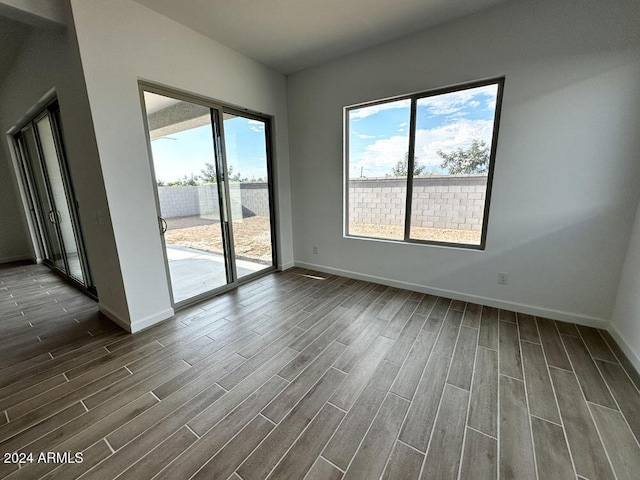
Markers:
(255, 199)
(438, 201)
(251, 198)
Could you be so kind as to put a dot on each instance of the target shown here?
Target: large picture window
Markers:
(419, 168)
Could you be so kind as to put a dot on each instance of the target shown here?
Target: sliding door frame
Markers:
(74, 206)
(222, 183)
(47, 179)
(270, 173)
(35, 203)
(217, 121)
(31, 195)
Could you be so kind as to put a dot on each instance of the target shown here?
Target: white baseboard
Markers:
(631, 355)
(490, 302)
(152, 320)
(140, 325)
(15, 258)
(286, 266)
(114, 317)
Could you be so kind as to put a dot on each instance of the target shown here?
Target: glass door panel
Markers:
(246, 155)
(43, 201)
(62, 213)
(34, 208)
(188, 185)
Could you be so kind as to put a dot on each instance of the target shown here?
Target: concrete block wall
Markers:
(255, 199)
(455, 202)
(188, 201)
(207, 201)
(178, 201)
(247, 200)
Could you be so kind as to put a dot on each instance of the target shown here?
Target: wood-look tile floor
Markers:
(307, 375)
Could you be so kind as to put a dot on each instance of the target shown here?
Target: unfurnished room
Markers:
(319, 239)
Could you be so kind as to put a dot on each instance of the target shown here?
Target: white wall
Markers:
(565, 187)
(121, 42)
(49, 60)
(626, 314)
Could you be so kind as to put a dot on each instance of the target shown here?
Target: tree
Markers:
(186, 181)
(209, 174)
(235, 177)
(402, 167)
(474, 159)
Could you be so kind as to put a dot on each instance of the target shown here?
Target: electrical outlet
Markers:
(503, 278)
(316, 250)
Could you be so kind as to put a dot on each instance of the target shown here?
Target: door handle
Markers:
(52, 217)
(225, 216)
(162, 223)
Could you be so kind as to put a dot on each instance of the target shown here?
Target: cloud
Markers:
(455, 130)
(255, 125)
(362, 135)
(456, 115)
(450, 137)
(364, 112)
(453, 102)
(378, 158)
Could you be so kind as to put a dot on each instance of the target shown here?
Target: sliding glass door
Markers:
(50, 196)
(246, 149)
(212, 177)
(47, 234)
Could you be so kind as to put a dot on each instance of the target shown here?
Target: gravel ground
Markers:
(396, 232)
(176, 223)
(252, 236)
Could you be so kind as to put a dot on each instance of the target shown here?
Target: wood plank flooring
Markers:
(307, 375)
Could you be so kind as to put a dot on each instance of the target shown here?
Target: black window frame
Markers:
(414, 97)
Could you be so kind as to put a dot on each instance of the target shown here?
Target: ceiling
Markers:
(292, 35)
(154, 102)
(12, 35)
